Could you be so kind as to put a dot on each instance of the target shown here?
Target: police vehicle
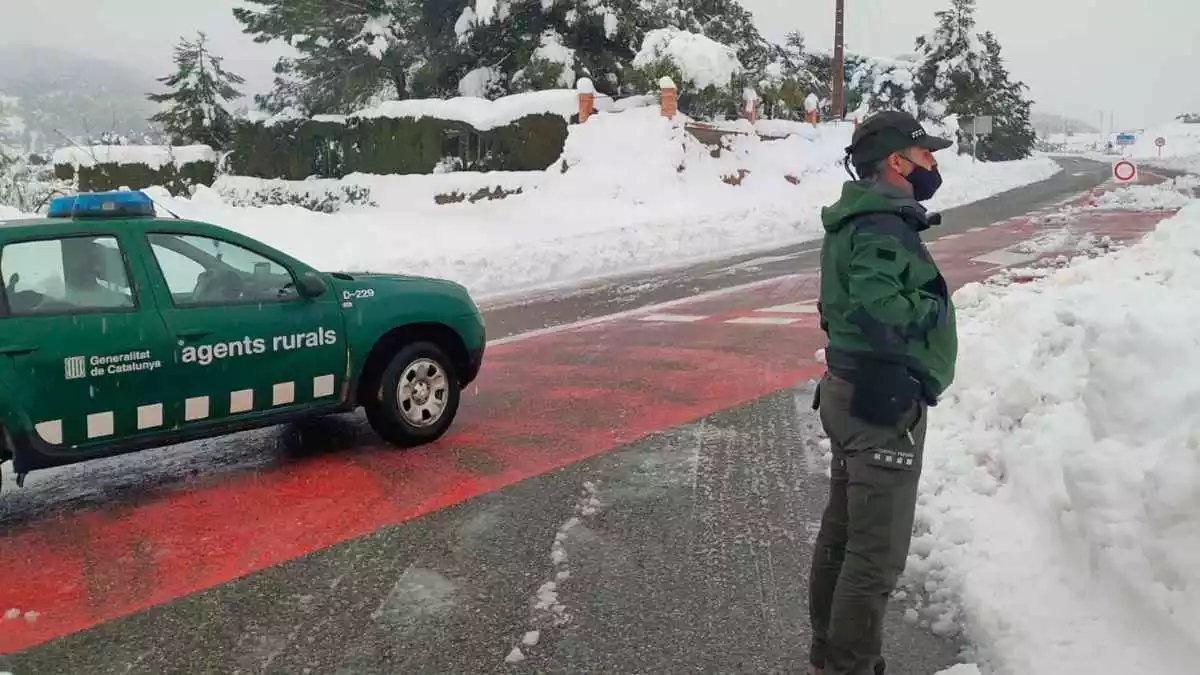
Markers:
(122, 331)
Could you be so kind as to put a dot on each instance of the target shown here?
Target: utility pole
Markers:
(839, 60)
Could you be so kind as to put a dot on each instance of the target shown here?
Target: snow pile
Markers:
(10, 213)
(1172, 195)
(1060, 509)
(1181, 152)
(701, 61)
(638, 192)
(154, 156)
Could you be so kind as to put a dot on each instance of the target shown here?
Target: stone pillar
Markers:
(670, 100)
(587, 98)
(750, 109)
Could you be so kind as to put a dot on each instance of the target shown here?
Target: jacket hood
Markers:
(861, 197)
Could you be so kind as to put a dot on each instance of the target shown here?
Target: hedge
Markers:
(296, 150)
(111, 176)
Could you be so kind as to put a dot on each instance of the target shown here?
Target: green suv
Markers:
(122, 331)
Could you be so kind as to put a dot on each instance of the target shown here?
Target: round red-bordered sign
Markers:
(1125, 171)
(1160, 141)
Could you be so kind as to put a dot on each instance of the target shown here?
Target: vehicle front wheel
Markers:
(417, 396)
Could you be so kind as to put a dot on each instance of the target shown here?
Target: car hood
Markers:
(405, 282)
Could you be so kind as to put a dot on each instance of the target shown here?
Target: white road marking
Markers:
(803, 307)
(674, 318)
(763, 320)
(650, 309)
(1004, 257)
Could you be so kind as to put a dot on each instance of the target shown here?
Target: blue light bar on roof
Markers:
(115, 204)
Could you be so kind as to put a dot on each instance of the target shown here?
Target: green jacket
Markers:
(882, 294)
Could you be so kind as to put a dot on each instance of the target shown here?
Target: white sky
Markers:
(1082, 58)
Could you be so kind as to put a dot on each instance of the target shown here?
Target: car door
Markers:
(249, 344)
(82, 342)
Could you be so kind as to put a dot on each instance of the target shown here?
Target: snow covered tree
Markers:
(519, 45)
(787, 81)
(350, 53)
(194, 110)
(724, 21)
(820, 64)
(704, 71)
(1013, 135)
(952, 74)
(885, 84)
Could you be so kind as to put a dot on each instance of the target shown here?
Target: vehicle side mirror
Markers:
(311, 285)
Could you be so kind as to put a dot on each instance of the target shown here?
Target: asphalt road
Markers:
(681, 546)
(691, 559)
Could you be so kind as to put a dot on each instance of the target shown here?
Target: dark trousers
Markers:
(865, 531)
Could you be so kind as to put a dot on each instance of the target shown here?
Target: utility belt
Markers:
(884, 389)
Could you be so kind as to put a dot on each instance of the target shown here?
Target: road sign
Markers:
(1126, 139)
(1124, 171)
(1160, 141)
(976, 126)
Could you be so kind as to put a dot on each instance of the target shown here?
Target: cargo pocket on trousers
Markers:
(902, 453)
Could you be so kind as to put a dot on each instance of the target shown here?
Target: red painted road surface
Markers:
(541, 403)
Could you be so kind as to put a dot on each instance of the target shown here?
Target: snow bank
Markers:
(701, 61)
(154, 156)
(638, 192)
(1060, 508)
(10, 213)
(1181, 152)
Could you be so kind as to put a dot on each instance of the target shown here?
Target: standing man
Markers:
(891, 349)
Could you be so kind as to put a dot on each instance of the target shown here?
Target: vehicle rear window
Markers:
(71, 275)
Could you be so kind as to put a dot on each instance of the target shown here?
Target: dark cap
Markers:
(890, 131)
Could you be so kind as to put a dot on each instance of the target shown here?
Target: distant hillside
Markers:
(81, 97)
(1049, 123)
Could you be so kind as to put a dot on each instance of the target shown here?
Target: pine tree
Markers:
(520, 45)
(885, 84)
(195, 109)
(820, 64)
(353, 52)
(1013, 135)
(786, 81)
(952, 74)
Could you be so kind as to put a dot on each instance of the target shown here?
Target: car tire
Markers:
(416, 398)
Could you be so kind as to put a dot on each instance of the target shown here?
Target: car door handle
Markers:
(17, 349)
(194, 333)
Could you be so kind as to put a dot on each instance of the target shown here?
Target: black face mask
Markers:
(925, 182)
